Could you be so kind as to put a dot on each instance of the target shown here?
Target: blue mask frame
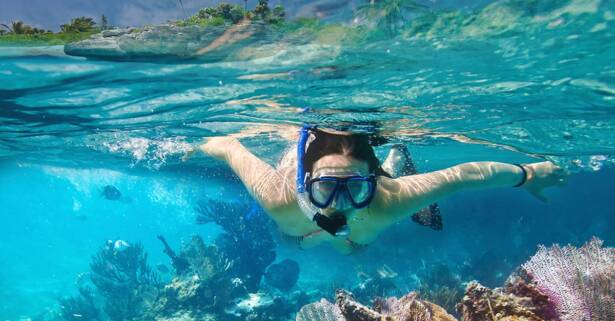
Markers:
(341, 186)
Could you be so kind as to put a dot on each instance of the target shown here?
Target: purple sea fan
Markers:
(580, 281)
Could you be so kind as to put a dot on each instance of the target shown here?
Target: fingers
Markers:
(560, 177)
(189, 154)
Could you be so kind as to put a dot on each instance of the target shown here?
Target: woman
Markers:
(335, 190)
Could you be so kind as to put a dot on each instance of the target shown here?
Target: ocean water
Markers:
(513, 81)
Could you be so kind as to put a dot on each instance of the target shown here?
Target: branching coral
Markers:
(580, 281)
(247, 241)
(121, 274)
(80, 307)
(204, 285)
(205, 261)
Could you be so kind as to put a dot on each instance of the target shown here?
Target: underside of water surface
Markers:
(98, 170)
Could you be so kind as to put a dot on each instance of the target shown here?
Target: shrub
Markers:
(81, 24)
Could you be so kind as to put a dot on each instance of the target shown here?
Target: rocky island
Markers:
(211, 34)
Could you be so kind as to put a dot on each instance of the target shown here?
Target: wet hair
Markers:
(355, 145)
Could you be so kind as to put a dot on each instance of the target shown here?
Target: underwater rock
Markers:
(481, 303)
(407, 308)
(169, 41)
(542, 304)
(410, 307)
(283, 275)
(353, 310)
(111, 192)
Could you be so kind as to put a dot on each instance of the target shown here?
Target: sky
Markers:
(50, 14)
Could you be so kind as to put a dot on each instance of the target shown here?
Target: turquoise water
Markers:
(512, 82)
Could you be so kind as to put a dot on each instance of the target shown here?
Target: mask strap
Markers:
(304, 134)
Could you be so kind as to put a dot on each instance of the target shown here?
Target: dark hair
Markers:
(355, 145)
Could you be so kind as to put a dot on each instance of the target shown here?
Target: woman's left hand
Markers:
(543, 175)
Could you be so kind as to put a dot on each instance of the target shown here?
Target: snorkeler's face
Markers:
(339, 166)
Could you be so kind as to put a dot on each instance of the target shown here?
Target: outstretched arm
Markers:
(269, 186)
(402, 195)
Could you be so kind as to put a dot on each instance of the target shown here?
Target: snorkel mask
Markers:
(353, 191)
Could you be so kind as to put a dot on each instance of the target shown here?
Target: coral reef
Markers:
(203, 287)
(122, 276)
(346, 308)
(180, 264)
(223, 280)
(499, 265)
(557, 283)
(481, 303)
(247, 241)
(282, 275)
(80, 307)
(209, 287)
(322, 310)
(580, 281)
(438, 284)
(374, 284)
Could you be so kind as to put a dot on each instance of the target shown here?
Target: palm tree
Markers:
(8, 29)
(20, 28)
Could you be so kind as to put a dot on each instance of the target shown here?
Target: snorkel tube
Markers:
(337, 225)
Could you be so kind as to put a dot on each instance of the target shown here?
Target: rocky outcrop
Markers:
(283, 275)
(518, 301)
(407, 308)
(212, 43)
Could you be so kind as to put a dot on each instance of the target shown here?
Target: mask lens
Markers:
(322, 191)
(359, 190)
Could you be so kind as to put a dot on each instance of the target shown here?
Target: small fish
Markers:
(111, 192)
(385, 272)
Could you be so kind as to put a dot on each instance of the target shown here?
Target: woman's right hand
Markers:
(218, 147)
(542, 175)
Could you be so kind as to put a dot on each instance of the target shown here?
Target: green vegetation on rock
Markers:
(42, 39)
(226, 14)
(19, 33)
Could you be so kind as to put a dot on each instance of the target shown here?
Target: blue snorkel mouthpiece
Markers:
(335, 225)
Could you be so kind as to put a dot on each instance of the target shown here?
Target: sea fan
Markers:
(322, 310)
(580, 281)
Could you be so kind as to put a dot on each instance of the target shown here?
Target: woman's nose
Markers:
(340, 202)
